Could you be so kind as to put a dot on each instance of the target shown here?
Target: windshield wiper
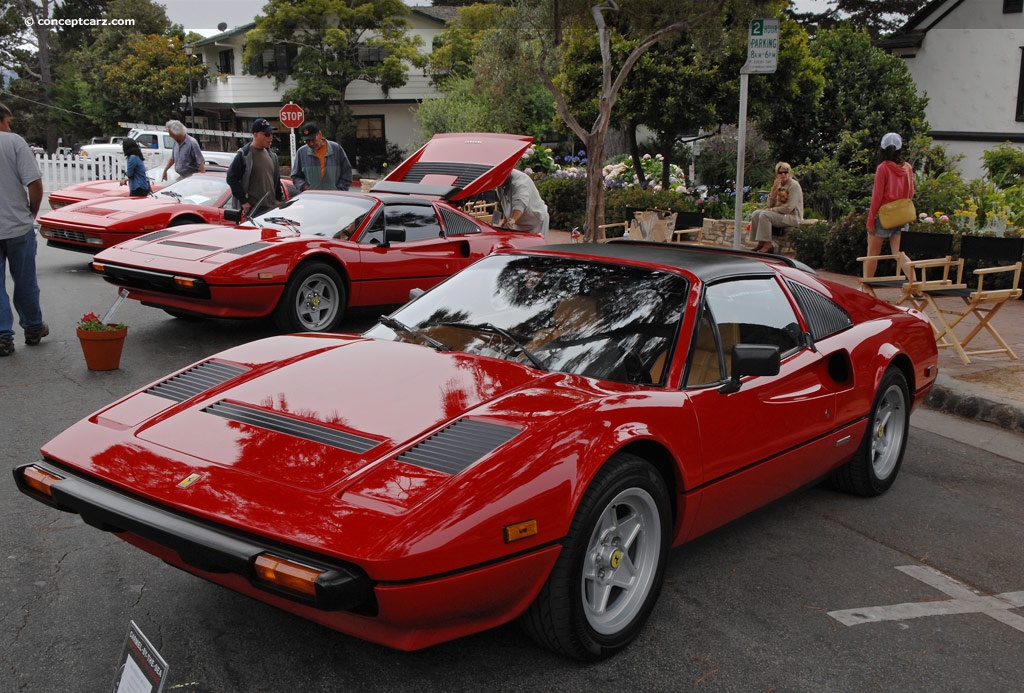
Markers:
(400, 326)
(491, 327)
(294, 225)
(171, 193)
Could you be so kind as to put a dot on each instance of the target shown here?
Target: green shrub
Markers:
(831, 190)
(566, 199)
(616, 202)
(847, 241)
(809, 243)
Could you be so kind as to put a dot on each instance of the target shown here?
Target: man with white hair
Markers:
(186, 156)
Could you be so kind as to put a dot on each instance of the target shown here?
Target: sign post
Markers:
(762, 58)
(291, 117)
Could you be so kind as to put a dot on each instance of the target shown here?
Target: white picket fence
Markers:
(62, 170)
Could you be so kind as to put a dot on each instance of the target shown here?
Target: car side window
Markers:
(374, 231)
(753, 311)
(706, 364)
(146, 141)
(168, 142)
(420, 222)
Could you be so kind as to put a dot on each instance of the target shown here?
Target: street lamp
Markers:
(190, 48)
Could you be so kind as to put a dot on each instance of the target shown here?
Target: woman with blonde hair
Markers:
(785, 208)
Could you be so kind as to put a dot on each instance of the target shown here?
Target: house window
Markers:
(370, 127)
(277, 59)
(372, 56)
(226, 62)
(1020, 92)
(1013, 7)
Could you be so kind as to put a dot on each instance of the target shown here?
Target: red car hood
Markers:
(90, 190)
(196, 243)
(104, 211)
(315, 418)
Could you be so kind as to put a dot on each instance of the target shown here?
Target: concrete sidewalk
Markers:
(989, 389)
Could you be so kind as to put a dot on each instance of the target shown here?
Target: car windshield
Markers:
(200, 190)
(600, 320)
(324, 215)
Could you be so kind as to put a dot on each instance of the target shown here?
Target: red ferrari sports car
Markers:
(308, 260)
(90, 190)
(99, 223)
(525, 441)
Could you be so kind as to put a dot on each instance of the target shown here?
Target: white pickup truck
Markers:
(156, 146)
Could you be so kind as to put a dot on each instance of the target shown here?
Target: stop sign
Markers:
(292, 115)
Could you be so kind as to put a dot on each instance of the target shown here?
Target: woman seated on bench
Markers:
(785, 208)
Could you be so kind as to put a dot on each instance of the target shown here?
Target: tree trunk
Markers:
(634, 153)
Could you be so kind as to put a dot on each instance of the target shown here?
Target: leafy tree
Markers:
(338, 43)
(487, 83)
(876, 17)
(542, 26)
(867, 93)
(149, 81)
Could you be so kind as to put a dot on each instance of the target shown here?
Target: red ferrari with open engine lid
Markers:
(525, 441)
(94, 224)
(322, 252)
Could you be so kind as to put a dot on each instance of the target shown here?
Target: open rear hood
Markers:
(457, 165)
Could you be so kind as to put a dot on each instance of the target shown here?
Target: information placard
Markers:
(142, 668)
(762, 47)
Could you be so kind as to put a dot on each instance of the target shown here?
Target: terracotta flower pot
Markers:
(102, 348)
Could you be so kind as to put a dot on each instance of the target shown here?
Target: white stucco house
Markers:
(967, 57)
(233, 98)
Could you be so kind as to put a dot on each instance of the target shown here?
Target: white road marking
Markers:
(965, 601)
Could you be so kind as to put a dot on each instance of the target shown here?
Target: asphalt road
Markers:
(746, 608)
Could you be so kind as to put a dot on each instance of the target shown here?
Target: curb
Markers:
(967, 402)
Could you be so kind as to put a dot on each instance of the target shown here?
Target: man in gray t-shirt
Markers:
(18, 173)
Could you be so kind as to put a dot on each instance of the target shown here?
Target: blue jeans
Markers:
(20, 254)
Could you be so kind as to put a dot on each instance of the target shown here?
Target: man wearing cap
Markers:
(320, 164)
(186, 157)
(255, 172)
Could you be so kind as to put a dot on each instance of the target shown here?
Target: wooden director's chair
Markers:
(980, 302)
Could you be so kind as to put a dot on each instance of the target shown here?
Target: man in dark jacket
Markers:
(320, 164)
(255, 172)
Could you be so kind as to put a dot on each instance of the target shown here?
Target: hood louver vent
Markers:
(456, 447)
(156, 235)
(306, 430)
(466, 173)
(196, 380)
(248, 248)
(190, 246)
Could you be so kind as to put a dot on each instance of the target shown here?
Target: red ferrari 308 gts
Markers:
(92, 225)
(525, 441)
(310, 259)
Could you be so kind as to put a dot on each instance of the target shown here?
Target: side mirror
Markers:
(233, 215)
(394, 234)
(751, 359)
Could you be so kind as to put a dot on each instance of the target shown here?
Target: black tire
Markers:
(601, 591)
(877, 461)
(313, 300)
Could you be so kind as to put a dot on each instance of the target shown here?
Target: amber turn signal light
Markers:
(520, 530)
(39, 481)
(186, 282)
(287, 575)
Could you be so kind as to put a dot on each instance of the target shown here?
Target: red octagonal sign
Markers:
(292, 116)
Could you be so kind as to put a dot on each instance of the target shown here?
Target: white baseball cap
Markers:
(891, 139)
